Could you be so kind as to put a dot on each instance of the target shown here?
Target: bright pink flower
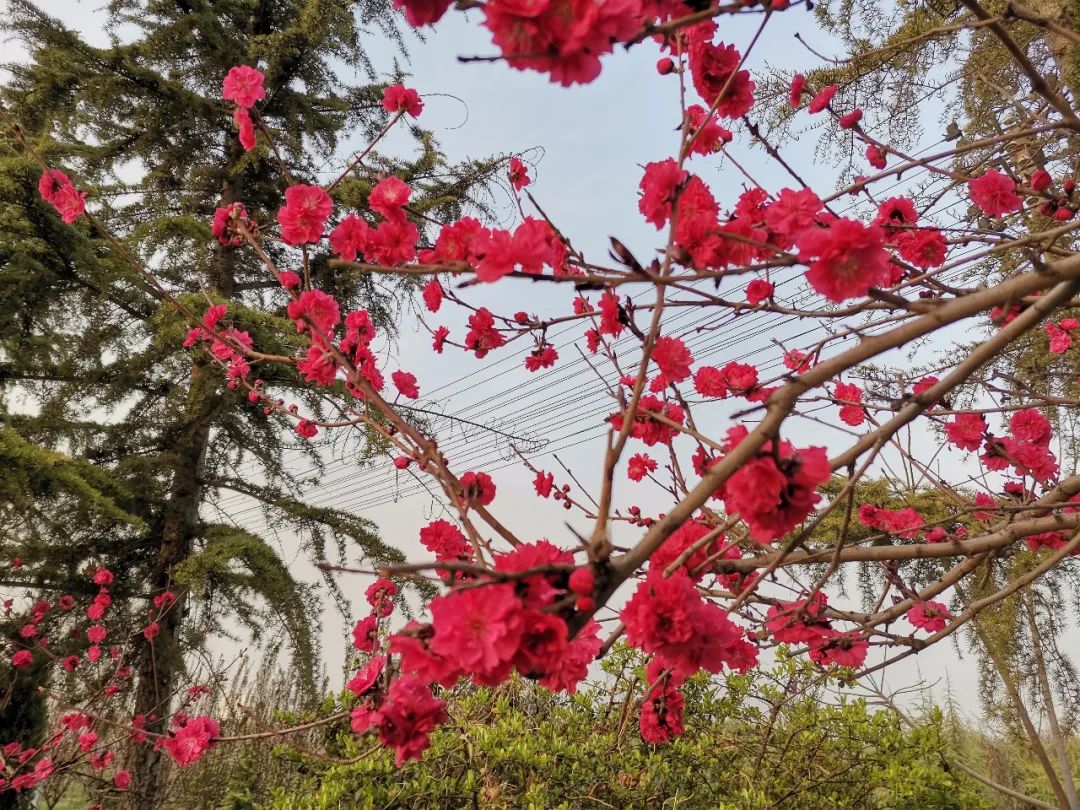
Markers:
(661, 714)
(307, 429)
(1029, 425)
(393, 242)
(851, 412)
(379, 593)
(245, 128)
(582, 581)
(543, 357)
(406, 384)
(710, 135)
(929, 616)
(845, 260)
(1041, 180)
(924, 385)
(925, 247)
(895, 213)
(875, 156)
(366, 676)
(659, 187)
(673, 358)
(680, 541)
(539, 590)
(57, 189)
(822, 99)
(1060, 341)
(366, 634)
(22, 659)
(315, 306)
(455, 241)
(243, 85)
(96, 634)
(350, 237)
(793, 212)
(543, 483)
(639, 466)
(995, 194)
(843, 649)
(303, 217)
(423, 12)
(799, 622)
(667, 617)
(795, 92)
(408, 715)
(773, 501)
(389, 196)
(151, 631)
(849, 120)
(572, 666)
(122, 780)
(103, 576)
(518, 174)
(445, 541)
(966, 431)
(227, 223)
(757, 291)
(433, 295)
(713, 70)
(478, 488)
(563, 38)
(193, 739)
(904, 522)
(439, 338)
(478, 630)
(660, 616)
(482, 336)
(398, 98)
(648, 429)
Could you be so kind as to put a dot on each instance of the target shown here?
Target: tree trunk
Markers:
(161, 661)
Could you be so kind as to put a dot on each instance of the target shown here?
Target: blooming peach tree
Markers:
(761, 521)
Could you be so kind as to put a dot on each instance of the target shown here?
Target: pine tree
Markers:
(91, 363)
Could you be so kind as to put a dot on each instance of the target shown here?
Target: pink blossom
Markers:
(303, 217)
(398, 98)
(193, 739)
(243, 85)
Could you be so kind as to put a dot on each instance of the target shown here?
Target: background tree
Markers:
(90, 359)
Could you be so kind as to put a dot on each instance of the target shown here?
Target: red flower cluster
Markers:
(681, 540)
(563, 38)
(518, 173)
(485, 632)
(56, 189)
(851, 412)
(714, 70)
(995, 194)
(734, 378)
(648, 429)
(303, 217)
(845, 259)
(398, 98)
(772, 498)
(904, 522)
(243, 85)
(668, 618)
(929, 616)
(192, 738)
